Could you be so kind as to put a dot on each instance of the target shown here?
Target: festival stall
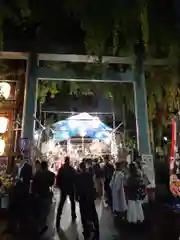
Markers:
(83, 132)
(79, 136)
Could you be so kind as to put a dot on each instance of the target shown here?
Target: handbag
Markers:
(141, 192)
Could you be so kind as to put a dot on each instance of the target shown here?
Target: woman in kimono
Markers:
(118, 194)
(135, 194)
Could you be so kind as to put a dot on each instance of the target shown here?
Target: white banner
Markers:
(148, 169)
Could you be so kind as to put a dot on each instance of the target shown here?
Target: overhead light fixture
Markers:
(36, 136)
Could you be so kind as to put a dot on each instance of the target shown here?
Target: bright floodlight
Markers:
(36, 136)
(73, 123)
(83, 133)
(107, 140)
(96, 122)
(83, 118)
(165, 139)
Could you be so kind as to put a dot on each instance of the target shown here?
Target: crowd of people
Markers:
(121, 186)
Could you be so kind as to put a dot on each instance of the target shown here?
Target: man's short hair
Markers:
(119, 164)
(82, 166)
(106, 157)
(96, 160)
(44, 165)
(67, 160)
(37, 162)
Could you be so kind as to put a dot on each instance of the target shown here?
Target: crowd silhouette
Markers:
(119, 185)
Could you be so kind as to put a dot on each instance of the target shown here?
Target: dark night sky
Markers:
(62, 30)
(59, 29)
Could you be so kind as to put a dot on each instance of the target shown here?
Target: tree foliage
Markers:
(163, 88)
(105, 21)
(16, 10)
(112, 28)
(45, 87)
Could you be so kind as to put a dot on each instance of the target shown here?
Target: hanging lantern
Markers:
(5, 89)
(2, 146)
(3, 124)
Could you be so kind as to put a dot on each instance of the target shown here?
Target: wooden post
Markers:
(140, 97)
(30, 98)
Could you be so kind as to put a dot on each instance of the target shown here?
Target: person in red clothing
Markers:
(59, 162)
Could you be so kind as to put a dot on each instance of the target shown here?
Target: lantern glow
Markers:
(5, 89)
(2, 146)
(3, 124)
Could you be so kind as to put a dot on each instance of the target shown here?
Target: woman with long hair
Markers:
(135, 194)
(118, 194)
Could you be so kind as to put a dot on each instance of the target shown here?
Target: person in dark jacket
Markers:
(65, 181)
(42, 193)
(37, 166)
(18, 197)
(43, 181)
(25, 175)
(108, 171)
(97, 177)
(89, 165)
(86, 194)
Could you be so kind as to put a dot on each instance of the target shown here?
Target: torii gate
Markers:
(35, 73)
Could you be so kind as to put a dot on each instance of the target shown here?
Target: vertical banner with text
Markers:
(148, 169)
(25, 148)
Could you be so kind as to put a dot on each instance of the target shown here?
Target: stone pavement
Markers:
(71, 231)
(155, 227)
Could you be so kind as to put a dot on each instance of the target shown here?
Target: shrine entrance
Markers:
(36, 71)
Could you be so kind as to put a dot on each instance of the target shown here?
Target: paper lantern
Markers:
(2, 146)
(3, 124)
(5, 89)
